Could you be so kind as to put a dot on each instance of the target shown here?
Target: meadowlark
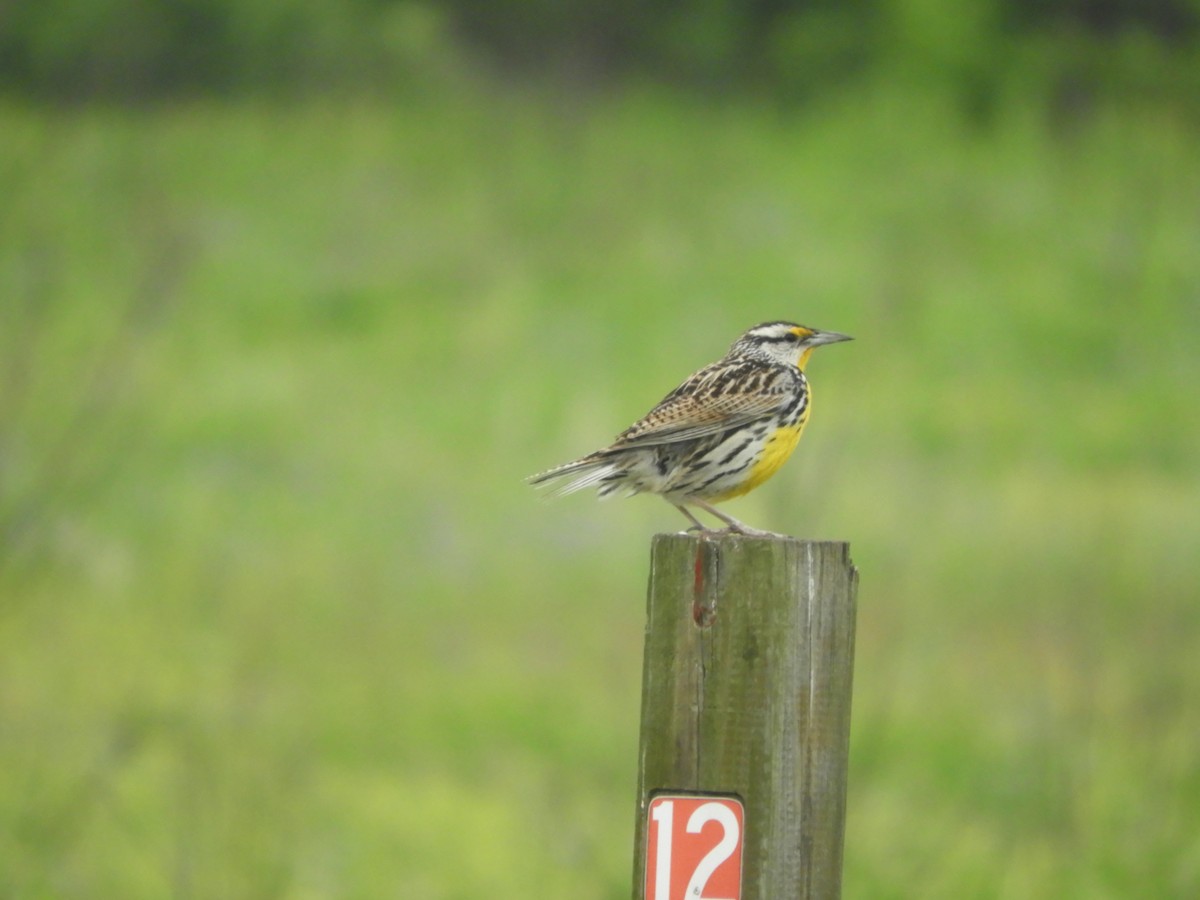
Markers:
(722, 433)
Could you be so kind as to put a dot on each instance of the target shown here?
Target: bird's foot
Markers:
(702, 531)
(750, 532)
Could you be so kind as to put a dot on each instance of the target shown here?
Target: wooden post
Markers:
(746, 692)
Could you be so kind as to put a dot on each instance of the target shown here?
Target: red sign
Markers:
(694, 847)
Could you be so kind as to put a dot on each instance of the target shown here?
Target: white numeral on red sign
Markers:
(710, 812)
(691, 857)
(664, 818)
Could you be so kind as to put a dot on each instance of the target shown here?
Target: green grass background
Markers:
(279, 618)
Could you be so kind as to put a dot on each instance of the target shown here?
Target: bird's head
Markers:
(784, 342)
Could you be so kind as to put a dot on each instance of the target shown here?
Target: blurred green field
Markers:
(279, 618)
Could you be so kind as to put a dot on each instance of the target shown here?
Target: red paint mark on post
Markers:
(702, 584)
(694, 847)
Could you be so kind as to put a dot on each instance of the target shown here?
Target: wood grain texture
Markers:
(749, 658)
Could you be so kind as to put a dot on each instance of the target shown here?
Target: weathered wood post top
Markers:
(745, 723)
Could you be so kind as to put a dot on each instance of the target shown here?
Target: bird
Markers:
(720, 434)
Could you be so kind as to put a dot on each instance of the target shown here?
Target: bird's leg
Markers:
(697, 525)
(734, 524)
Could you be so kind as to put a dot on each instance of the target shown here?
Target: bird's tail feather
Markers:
(577, 475)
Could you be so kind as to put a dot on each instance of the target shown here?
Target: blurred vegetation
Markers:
(135, 49)
(278, 617)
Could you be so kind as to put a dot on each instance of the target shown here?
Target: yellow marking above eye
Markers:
(802, 332)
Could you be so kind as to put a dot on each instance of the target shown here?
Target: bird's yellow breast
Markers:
(775, 452)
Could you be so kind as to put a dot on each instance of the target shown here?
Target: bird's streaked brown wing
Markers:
(719, 397)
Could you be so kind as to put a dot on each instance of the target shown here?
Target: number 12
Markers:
(663, 815)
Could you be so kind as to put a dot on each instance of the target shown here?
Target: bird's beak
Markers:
(827, 337)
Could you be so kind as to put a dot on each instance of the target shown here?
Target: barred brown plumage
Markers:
(719, 434)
